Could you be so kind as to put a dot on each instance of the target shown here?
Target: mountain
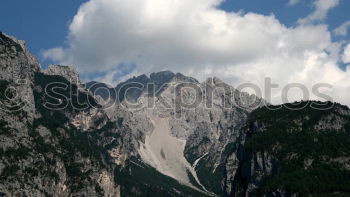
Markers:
(43, 153)
(165, 134)
(133, 88)
(304, 152)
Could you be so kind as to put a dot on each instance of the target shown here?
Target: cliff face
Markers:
(210, 129)
(202, 138)
(68, 72)
(286, 152)
(42, 152)
(17, 71)
(56, 140)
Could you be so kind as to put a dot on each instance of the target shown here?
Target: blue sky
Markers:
(288, 15)
(41, 23)
(237, 41)
(44, 24)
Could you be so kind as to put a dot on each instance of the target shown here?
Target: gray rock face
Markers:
(66, 151)
(102, 90)
(210, 128)
(287, 143)
(17, 69)
(133, 88)
(195, 127)
(42, 152)
(68, 72)
(16, 61)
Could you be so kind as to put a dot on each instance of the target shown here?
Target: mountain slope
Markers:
(302, 152)
(179, 137)
(201, 137)
(56, 140)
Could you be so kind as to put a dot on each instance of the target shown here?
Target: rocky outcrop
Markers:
(16, 74)
(285, 152)
(42, 152)
(92, 119)
(62, 142)
(68, 72)
(106, 182)
(210, 128)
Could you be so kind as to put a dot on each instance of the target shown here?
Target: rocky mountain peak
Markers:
(141, 78)
(15, 60)
(162, 74)
(216, 84)
(213, 81)
(68, 72)
(7, 40)
(162, 77)
(182, 78)
(17, 70)
(138, 85)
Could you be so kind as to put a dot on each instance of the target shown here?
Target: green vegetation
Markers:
(71, 140)
(31, 172)
(68, 140)
(6, 96)
(120, 121)
(99, 190)
(8, 44)
(58, 94)
(3, 86)
(305, 156)
(138, 179)
(211, 180)
(9, 171)
(3, 128)
(189, 150)
(16, 154)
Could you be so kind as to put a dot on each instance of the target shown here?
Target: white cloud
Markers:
(198, 39)
(346, 55)
(342, 30)
(322, 7)
(293, 2)
(56, 54)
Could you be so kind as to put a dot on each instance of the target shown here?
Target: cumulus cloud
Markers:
(346, 56)
(55, 54)
(322, 7)
(342, 30)
(198, 39)
(293, 2)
